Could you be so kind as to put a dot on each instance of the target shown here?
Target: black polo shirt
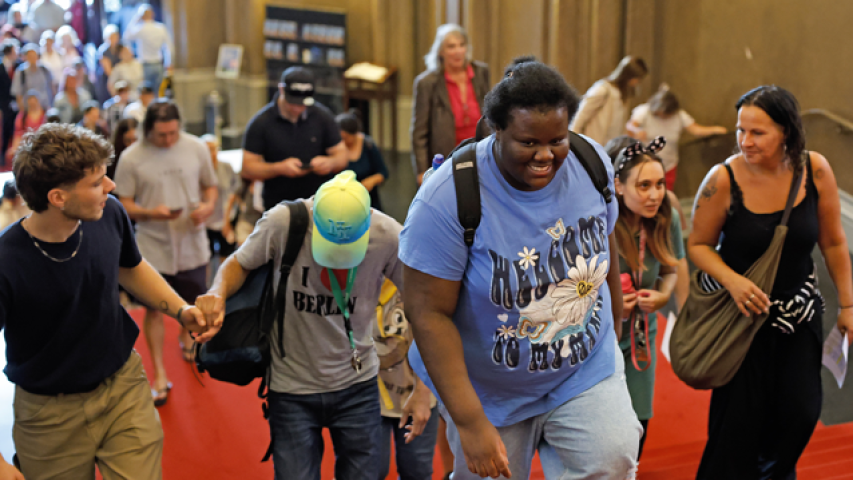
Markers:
(276, 138)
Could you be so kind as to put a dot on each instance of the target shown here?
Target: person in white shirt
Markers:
(663, 116)
(129, 70)
(46, 15)
(153, 44)
(51, 58)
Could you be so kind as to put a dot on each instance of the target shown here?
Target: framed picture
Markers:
(228, 63)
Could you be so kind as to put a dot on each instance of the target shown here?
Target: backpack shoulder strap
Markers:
(592, 163)
(467, 183)
(295, 236)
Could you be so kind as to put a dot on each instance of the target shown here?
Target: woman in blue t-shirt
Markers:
(515, 333)
(650, 246)
(365, 159)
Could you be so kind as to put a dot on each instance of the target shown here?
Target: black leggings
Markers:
(761, 422)
(645, 424)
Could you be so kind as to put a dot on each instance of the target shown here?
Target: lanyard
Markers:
(639, 323)
(638, 275)
(342, 299)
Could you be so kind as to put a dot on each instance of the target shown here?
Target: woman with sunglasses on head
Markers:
(648, 233)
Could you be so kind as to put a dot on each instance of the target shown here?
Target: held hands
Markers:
(748, 297)
(201, 317)
(484, 450)
(629, 301)
(651, 300)
(417, 407)
(212, 308)
(291, 167)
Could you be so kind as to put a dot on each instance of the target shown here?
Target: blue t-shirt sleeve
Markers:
(431, 241)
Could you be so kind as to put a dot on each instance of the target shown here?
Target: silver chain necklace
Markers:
(57, 260)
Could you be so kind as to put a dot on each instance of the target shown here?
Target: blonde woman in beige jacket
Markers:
(604, 109)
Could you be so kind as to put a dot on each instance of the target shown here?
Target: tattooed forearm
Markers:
(164, 306)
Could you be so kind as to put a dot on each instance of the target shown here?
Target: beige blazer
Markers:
(601, 115)
(433, 128)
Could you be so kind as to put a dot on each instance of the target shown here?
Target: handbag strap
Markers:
(792, 194)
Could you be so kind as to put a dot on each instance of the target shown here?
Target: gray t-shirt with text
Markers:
(315, 341)
(173, 177)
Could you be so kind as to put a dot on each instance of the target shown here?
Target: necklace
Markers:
(57, 260)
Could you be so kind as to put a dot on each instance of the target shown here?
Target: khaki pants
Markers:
(115, 426)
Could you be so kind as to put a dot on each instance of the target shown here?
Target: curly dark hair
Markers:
(782, 107)
(528, 83)
(56, 155)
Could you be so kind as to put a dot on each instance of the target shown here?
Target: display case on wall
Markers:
(313, 39)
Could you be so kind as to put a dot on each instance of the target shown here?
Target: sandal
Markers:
(188, 353)
(161, 396)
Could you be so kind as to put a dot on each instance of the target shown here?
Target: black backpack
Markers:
(241, 351)
(467, 180)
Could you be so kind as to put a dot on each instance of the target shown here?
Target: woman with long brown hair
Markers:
(648, 233)
(604, 109)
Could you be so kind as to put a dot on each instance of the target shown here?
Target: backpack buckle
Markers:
(469, 236)
(608, 195)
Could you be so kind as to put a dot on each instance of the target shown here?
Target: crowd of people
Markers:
(533, 330)
(43, 57)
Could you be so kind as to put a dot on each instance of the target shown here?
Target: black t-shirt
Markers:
(65, 329)
(275, 138)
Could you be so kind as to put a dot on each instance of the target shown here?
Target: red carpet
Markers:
(218, 431)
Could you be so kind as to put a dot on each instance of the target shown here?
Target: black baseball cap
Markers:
(298, 86)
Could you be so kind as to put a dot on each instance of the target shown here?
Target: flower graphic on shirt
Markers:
(528, 258)
(506, 332)
(567, 306)
(576, 294)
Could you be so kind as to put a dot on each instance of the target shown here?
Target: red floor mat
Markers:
(218, 432)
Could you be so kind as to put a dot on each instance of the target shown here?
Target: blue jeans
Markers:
(595, 435)
(153, 73)
(414, 460)
(353, 418)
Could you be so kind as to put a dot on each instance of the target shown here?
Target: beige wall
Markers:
(699, 47)
(802, 46)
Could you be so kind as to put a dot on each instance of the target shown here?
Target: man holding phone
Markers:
(166, 182)
(293, 144)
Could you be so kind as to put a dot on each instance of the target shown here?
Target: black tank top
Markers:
(746, 236)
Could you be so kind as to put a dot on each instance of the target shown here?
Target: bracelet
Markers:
(845, 307)
(180, 311)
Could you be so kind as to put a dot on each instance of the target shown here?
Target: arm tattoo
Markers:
(818, 174)
(710, 188)
(164, 306)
